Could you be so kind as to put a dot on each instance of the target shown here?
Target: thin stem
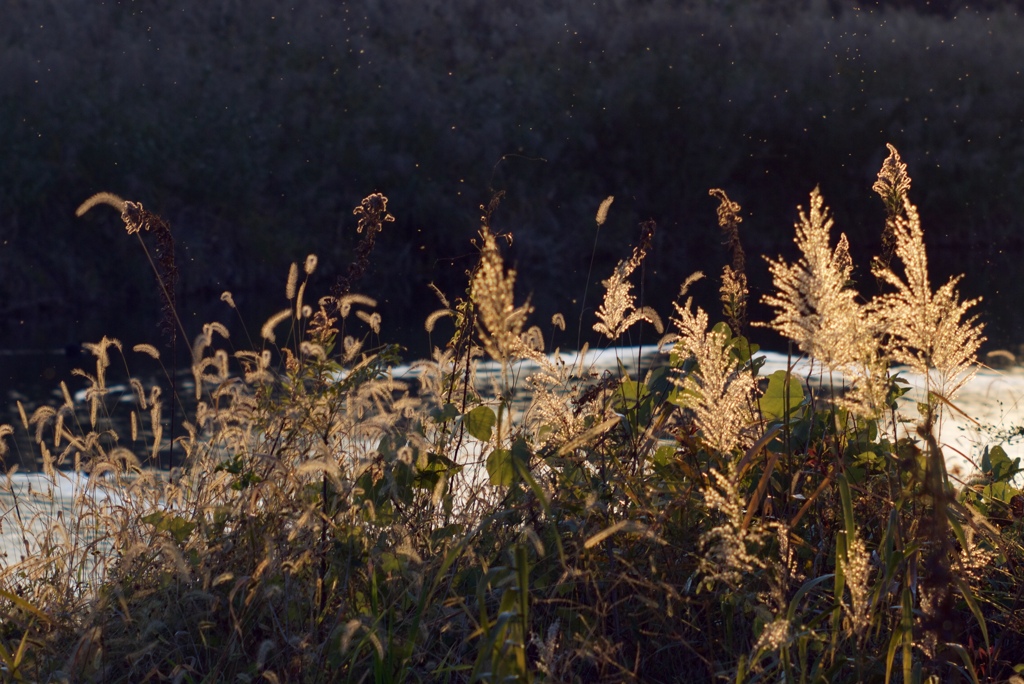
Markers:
(586, 287)
(163, 288)
(173, 379)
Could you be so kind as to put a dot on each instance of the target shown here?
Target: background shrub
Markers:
(253, 129)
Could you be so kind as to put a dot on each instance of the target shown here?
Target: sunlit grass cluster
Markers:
(502, 512)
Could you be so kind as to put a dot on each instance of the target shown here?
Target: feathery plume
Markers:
(108, 198)
(99, 350)
(148, 350)
(293, 280)
(205, 339)
(434, 317)
(617, 313)
(729, 221)
(300, 309)
(310, 264)
(372, 320)
(602, 211)
(717, 388)
(344, 304)
(816, 308)
(688, 283)
(927, 331)
(351, 347)
(5, 431)
(733, 294)
(857, 571)
(730, 549)
(893, 182)
(155, 422)
(66, 394)
(140, 391)
(267, 332)
(499, 322)
(734, 290)
(892, 186)
(321, 326)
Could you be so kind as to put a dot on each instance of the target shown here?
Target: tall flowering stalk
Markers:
(373, 214)
(731, 550)
(136, 219)
(892, 186)
(816, 308)
(618, 311)
(932, 332)
(499, 321)
(717, 389)
(734, 289)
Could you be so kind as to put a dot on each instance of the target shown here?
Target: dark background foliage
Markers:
(254, 129)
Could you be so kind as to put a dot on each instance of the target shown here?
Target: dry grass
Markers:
(333, 522)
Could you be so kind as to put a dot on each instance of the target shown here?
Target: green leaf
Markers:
(664, 455)
(390, 563)
(999, 491)
(801, 592)
(526, 476)
(630, 393)
(500, 468)
(999, 464)
(437, 463)
(634, 400)
(774, 404)
(966, 659)
(897, 388)
(504, 466)
(521, 452)
(480, 422)
(856, 474)
(443, 415)
(179, 528)
(659, 384)
(743, 350)
(847, 500)
(722, 328)
(869, 459)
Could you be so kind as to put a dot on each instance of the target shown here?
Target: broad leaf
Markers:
(1000, 491)
(500, 468)
(503, 464)
(996, 462)
(179, 528)
(480, 422)
(775, 405)
(441, 415)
